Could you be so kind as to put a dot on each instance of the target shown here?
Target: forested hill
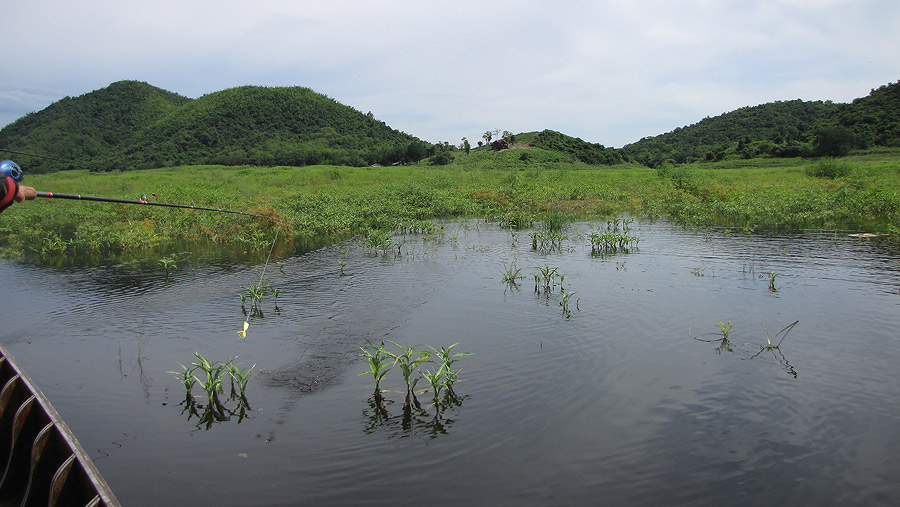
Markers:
(780, 129)
(133, 125)
(95, 124)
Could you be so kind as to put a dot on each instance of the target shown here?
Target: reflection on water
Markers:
(772, 345)
(629, 398)
(413, 419)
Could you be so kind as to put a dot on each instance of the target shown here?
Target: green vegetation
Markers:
(169, 265)
(319, 206)
(780, 129)
(212, 375)
(133, 125)
(589, 153)
(378, 359)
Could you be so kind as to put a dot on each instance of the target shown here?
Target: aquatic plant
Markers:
(435, 380)
(772, 276)
(512, 275)
(341, 265)
(547, 277)
(556, 221)
(210, 375)
(409, 359)
(447, 358)
(609, 241)
(241, 377)
(725, 328)
(186, 377)
(773, 345)
(547, 241)
(783, 334)
(169, 265)
(378, 239)
(566, 295)
(379, 364)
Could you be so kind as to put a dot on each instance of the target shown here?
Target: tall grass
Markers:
(762, 193)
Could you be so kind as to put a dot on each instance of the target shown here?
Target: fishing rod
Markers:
(11, 169)
(52, 195)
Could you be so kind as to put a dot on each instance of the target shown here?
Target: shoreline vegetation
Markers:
(515, 188)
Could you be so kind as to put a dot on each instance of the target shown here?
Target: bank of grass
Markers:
(515, 188)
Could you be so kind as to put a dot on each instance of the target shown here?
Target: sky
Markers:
(609, 72)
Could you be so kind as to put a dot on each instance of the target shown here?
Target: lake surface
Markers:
(628, 401)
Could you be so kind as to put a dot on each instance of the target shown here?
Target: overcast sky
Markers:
(610, 72)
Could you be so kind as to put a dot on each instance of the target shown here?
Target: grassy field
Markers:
(516, 187)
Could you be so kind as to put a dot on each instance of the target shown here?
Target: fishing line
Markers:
(6, 150)
(262, 274)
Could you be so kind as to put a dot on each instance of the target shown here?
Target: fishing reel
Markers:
(8, 168)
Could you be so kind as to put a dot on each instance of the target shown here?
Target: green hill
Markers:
(132, 125)
(780, 129)
(78, 129)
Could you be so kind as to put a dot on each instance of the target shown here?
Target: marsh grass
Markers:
(772, 194)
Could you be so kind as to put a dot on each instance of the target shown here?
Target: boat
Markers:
(41, 461)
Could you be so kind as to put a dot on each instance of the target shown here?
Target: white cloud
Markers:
(609, 72)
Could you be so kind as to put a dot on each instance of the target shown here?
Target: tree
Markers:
(834, 141)
(487, 136)
(465, 145)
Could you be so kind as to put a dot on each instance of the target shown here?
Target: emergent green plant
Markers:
(547, 276)
(566, 295)
(772, 277)
(169, 265)
(511, 274)
(379, 364)
(435, 380)
(409, 359)
(447, 357)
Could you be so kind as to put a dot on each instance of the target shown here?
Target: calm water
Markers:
(620, 404)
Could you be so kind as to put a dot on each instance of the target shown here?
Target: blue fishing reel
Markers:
(12, 170)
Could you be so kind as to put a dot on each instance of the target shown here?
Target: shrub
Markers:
(829, 168)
